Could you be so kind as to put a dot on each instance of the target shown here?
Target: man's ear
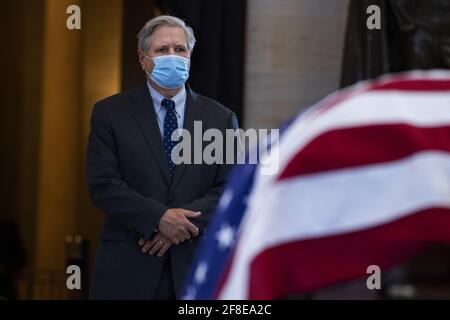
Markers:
(141, 58)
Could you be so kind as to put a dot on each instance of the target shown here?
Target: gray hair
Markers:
(151, 25)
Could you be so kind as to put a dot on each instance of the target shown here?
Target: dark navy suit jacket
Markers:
(129, 181)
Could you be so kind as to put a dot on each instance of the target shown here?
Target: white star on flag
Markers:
(191, 293)
(200, 273)
(225, 199)
(225, 236)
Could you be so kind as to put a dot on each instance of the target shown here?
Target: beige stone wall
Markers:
(293, 56)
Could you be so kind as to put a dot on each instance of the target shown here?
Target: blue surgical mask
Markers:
(170, 71)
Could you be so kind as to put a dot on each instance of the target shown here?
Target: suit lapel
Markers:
(144, 113)
(193, 112)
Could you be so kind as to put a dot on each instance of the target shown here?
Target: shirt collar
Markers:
(179, 99)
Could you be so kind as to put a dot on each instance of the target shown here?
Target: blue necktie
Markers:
(170, 124)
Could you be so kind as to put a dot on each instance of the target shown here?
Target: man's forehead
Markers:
(169, 34)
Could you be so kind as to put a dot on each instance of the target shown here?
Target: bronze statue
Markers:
(414, 34)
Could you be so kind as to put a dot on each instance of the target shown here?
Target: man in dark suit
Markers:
(155, 210)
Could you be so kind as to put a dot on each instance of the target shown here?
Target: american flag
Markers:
(363, 179)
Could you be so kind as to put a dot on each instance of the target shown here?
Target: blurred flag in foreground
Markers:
(364, 179)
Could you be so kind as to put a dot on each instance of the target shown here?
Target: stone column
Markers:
(79, 68)
(293, 57)
(58, 168)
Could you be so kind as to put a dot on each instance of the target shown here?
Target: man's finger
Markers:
(180, 237)
(147, 246)
(185, 233)
(141, 242)
(192, 214)
(163, 250)
(192, 228)
(156, 246)
(174, 240)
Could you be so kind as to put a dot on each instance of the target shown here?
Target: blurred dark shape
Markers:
(12, 259)
(425, 276)
(414, 34)
(217, 69)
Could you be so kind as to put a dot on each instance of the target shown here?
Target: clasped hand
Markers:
(174, 228)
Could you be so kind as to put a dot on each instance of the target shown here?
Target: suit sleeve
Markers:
(107, 189)
(209, 201)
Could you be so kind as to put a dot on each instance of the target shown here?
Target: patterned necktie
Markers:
(170, 124)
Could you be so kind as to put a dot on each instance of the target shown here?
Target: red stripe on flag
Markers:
(307, 265)
(357, 146)
(414, 85)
